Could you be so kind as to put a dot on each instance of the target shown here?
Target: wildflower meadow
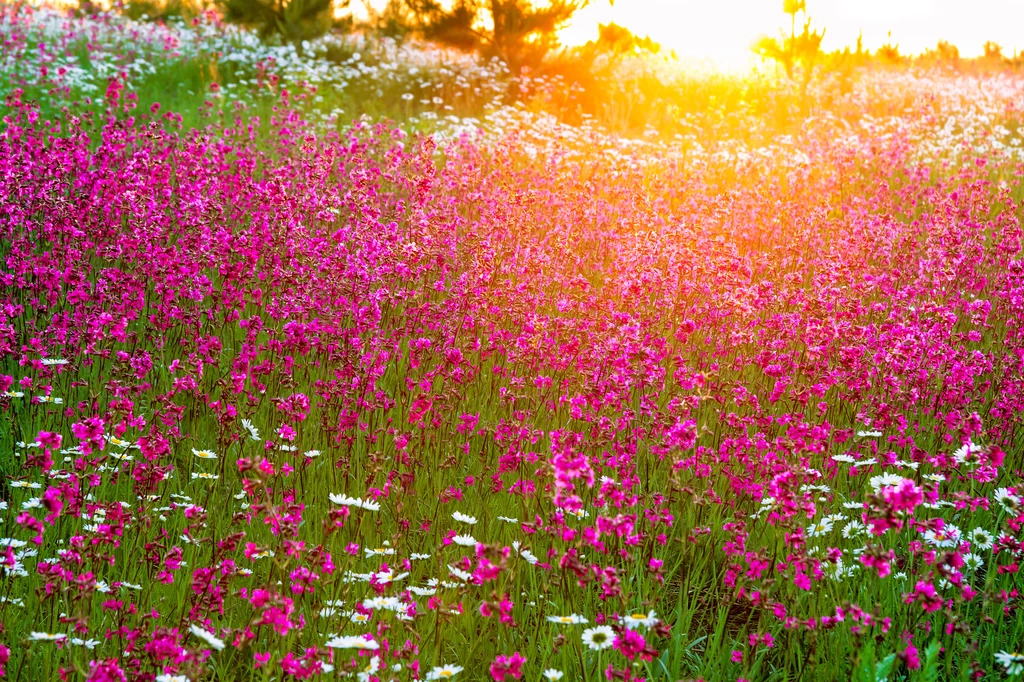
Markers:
(330, 361)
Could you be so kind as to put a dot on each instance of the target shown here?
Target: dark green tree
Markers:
(520, 32)
(293, 20)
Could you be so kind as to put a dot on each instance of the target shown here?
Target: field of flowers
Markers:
(285, 396)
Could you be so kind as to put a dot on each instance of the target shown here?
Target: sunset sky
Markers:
(722, 30)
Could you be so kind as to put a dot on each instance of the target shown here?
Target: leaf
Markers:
(864, 668)
(884, 668)
(930, 670)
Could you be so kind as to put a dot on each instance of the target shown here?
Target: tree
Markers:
(293, 20)
(797, 49)
(520, 32)
(889, 53)
(992, 52)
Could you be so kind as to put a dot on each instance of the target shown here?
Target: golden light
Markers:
(721, 31)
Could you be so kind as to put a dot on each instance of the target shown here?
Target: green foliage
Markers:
(867, 669)
(292, 20)
(520, 32)
(930, 667)
(395, 20)
(161, 9)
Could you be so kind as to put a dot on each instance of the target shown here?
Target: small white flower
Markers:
(973, 562)
(460, 574)
(204, 454)
(459, 516)
(885, 480)
(353, 642)
(572, 619)
(254, 433)
(167, 677)
(378, 551)
(423, 591)
(46, 637)
(967, 453)
(1012, 662)
(981, 538)
(87, 643)
(443, 672)
(869, 434)
(854, 529)
(464, 540)
(207, 637)
(949, 536)
(599, 638)
(552, 675)
(635, 620)
(1007, 500)
(822, 527)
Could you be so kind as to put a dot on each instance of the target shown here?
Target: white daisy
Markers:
(981, 538)
(378, 551)
(444, 672)
(572, 619)
(254, 433)
(207, 637)
(1007, 500)
(464, 540)
(1012, 662)
(599, 638)
(460, 574)
(967, 453)
(459, 516)
(973, 562)
(635, 620)
(353, 642)
(822, 527)
(854, 529)
(885, 480)
(949, 536)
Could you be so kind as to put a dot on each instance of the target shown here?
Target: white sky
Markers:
(723, 30)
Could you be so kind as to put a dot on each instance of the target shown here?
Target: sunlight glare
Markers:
(722, 31)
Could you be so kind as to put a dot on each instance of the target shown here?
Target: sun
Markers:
(718, 31)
